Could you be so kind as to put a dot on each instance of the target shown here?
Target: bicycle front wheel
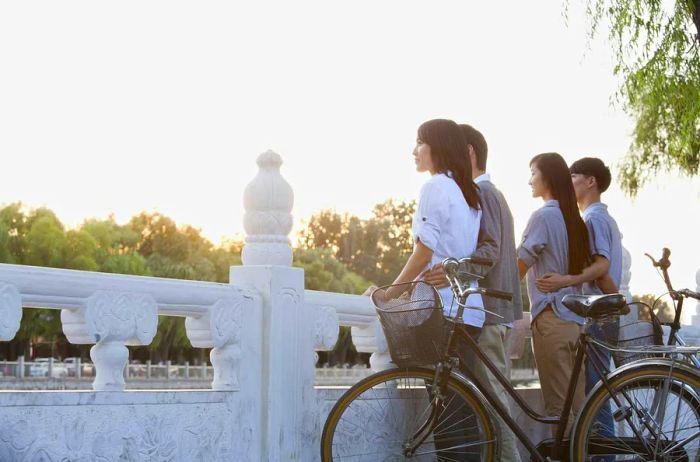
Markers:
(657, 418)
(393, 416)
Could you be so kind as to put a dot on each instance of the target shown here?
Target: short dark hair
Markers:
(592, 166)
(477, 141)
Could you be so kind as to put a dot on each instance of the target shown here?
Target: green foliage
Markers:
(322, 271)
(376, 248)
(662, 309)
(339, 253)
(658, 59)
(150, 244)
(45, 241)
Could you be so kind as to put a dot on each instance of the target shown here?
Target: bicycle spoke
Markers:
(381, 420)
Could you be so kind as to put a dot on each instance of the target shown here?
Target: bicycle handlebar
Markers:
(689, 294)
(664, 263)
(498, 294)
(454, 272)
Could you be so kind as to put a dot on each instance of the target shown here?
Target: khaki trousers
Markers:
(494, 341)
(554, 344)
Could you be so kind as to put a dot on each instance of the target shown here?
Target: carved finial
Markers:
(268, 201)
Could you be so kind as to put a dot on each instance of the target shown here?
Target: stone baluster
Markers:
(371, 339)
(111, 320)
(696, 317)
(326, 328)
(10, 311)
(624, 288)
(287, 336)
(220, 329)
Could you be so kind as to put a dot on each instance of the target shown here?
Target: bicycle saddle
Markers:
(596, 306)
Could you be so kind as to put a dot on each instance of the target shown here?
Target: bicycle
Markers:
(677, 296)
(414, 412)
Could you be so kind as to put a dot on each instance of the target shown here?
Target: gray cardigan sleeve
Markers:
(488, 244)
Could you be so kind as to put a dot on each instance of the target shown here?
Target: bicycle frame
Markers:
(504, 414)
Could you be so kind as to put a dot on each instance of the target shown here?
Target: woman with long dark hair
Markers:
(446, 221)
(555, 240)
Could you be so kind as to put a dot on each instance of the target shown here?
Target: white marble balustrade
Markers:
(263, 326)
(112, 311)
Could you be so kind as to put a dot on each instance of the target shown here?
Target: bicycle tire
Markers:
(373, 420)
(660, 408)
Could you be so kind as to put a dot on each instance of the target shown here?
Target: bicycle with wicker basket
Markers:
(426, 410)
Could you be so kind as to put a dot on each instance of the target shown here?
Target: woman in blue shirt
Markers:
(555, 240)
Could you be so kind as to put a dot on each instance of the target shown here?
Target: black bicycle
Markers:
(425, 409)
(677, 297)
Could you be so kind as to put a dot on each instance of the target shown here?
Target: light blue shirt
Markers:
(545, 249)
(606, 241)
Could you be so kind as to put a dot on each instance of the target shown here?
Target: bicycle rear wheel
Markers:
(378, 418)
(658, 419)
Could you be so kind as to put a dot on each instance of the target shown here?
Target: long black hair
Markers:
(449, 152)
(556, 176)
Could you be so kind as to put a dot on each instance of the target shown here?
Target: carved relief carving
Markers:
(152, 438)
(128, 317)
(10, 311)
(222, 324)
(290, 295)
(325, 327)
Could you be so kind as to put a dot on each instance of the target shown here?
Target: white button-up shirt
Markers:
(446, 224)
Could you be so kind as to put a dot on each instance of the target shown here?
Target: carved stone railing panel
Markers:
(10, 311)
(182, 426)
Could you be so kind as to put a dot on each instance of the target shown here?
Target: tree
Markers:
(376, 248)
(662, 309)
(657, 56)
(322, 271)
(150, 244)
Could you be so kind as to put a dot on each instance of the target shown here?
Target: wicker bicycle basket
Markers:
(631, 339)
(411, 315)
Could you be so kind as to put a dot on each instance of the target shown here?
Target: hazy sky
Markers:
(118, 107)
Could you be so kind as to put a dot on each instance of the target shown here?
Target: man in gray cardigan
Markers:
(496, 243)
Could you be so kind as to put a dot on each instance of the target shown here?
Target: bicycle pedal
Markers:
(622, 413)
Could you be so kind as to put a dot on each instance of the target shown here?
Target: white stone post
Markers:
(289, 416)
(111, 320)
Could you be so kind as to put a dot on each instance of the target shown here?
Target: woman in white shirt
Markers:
(446, 221)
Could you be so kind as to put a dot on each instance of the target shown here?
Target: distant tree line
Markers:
(338, 252)
(150, 244)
